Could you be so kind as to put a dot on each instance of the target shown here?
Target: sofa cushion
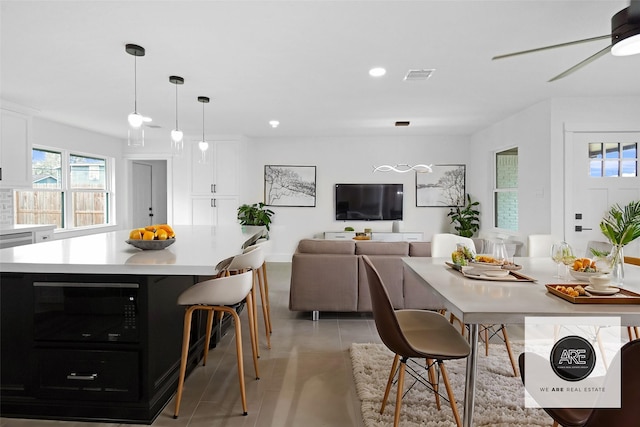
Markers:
(382, 248)
(321, 246)
(324, 282)
(420, 249)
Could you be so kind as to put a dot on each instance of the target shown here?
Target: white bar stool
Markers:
(218, 295)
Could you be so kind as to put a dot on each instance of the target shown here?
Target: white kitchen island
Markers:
(90, 328)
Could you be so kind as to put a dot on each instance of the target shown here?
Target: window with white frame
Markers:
(613, 159)
(69, 189)
(505, 192)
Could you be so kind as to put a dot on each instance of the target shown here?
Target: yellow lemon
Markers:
(161, 234)
(135, 234)
(148, 235)
(150, 228)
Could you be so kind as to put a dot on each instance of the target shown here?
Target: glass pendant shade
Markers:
(177, 144)
(203, 145)
(136, 132)
(136, 136)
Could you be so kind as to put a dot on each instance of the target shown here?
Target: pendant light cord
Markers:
(135, 84)
(176, 106)
(203, 121)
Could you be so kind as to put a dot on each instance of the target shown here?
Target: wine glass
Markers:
(567, 258)
(562, 253)
(500, 252)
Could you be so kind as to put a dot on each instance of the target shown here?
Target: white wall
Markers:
(52, 134)
(346, 160)
(529, 130)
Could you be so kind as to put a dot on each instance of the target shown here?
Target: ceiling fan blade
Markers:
(634, 11)
(592, 39)
(582, 64)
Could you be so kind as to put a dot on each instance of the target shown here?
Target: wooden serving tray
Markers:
(625, 296)
(513, 276)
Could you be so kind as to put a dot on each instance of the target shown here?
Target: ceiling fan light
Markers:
(135, 120)
(627, 47)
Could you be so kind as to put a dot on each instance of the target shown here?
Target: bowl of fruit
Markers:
(152, 237)
(584, 268)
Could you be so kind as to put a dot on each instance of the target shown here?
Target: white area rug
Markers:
(499, 397)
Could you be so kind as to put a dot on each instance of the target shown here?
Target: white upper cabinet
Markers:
(219, 176)
(15, 149)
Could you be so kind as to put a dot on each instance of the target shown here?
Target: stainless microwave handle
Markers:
(85, 285)
(89, 377)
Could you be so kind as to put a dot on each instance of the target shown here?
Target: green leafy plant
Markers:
(255, 214)
(621, 225)
(466, 219)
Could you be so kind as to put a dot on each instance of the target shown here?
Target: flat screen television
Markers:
(369, 202)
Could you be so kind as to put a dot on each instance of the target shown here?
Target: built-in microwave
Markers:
(86, 312)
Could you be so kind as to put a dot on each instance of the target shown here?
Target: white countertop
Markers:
(25, 228)
(196, 251)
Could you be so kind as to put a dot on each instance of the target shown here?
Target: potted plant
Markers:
(621, 225)
(466, 219)
(255, 214)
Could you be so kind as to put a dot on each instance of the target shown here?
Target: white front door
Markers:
(601, 170)
(142, 203)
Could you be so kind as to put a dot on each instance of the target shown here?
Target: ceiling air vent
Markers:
(415, 75)
(402, 123)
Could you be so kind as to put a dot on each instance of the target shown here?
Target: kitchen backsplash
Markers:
(6, 207)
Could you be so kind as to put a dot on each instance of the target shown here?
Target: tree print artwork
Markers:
(290, 185)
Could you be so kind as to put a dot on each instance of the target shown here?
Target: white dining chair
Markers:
(539, 245)
(442, 244)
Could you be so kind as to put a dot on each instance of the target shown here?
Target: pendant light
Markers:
(177, 143)
(136, 132)
(203, 145)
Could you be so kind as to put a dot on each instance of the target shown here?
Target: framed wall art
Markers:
(290, 185)
(444, 187)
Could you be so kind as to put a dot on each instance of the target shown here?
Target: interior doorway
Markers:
(149, 192)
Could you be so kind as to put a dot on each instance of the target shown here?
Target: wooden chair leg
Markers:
(207, 338)
(433, 380)
(266, 292)
(486, 341)
(396, 416)
(254, 295)
(236, 322)
(509, 352)
(601, 348)
(452, 398)
(387, 390)
(555, 424)
(630, 332)
(186, 335)
(253, 333)
(265, 310)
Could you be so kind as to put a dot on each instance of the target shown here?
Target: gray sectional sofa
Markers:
(328, 275)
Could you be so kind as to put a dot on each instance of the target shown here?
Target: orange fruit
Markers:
(148, 235)
(135, 234)
(150, 228)
(168, 229)
(161, 234)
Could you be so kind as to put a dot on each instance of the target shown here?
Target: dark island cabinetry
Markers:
(91, 347)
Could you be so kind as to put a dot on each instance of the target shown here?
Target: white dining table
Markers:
(477, 302)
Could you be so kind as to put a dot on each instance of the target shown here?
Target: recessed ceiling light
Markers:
(274, 123)
(377, 72)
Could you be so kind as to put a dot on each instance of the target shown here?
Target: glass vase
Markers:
(616, 262)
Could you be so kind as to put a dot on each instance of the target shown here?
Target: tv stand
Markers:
(380, 236)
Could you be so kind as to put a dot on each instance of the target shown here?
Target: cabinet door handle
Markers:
(213, 203)
(74, 376)
(214, 188)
